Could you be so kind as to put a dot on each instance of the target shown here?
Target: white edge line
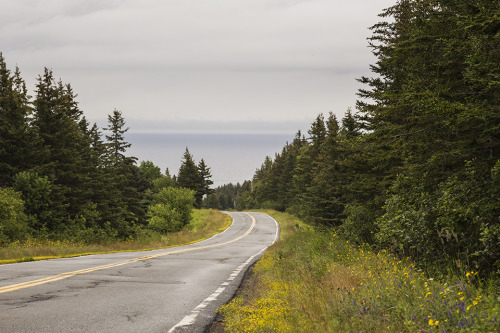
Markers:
(191, 318)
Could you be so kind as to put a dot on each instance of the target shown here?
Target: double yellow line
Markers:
(66, 275)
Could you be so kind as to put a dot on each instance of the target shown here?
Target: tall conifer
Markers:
(17, 141)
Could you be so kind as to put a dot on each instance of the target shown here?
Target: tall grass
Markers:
(314, 281)
(205, 223)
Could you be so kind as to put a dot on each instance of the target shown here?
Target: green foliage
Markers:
(245, 199)
(213, 201)
(205, 180)
(116, 140)
(195, 177)
(43, 202)
(163, 182)
(456, 222)
(171, 209)
(72, 183)
(17, 138)
(408, 225)
(164, 218)
(414, 169)
(188, 175)
(13, 221)
(149, 171)
(124, 182)
(360, 224)
(315, 281)
(75, 185)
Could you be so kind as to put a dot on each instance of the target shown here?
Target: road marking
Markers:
(191, 318)
(66, 275)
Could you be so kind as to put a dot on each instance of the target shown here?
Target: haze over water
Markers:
(232, 157)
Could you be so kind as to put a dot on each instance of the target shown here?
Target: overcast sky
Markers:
(197, 65)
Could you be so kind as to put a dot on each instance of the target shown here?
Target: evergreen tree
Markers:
(123, 175)
(323, 199)
(189, 177)
(307, 161)
(64, 147)
(17, 140)
(164, 181)
(245, 199)
(116, 143)
(432, 110)
(42, 202)
(205, 178)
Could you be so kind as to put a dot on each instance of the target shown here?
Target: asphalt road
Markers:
(170, 290)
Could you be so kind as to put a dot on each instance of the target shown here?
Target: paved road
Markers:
(169, 290)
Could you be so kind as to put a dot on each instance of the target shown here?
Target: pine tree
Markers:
(116, 140)
(63, 145)
(431, 111)
(123, 175)
(205, 178)
(189, 177)
(17, 140)
(322, 202)
(307, 161)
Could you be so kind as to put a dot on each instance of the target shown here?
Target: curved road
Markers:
(169, 290)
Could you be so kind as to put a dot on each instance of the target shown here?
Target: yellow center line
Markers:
(66, 275)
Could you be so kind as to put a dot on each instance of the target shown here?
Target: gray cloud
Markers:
(157, 60)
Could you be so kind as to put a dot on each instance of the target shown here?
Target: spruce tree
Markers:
(123, 175)
(63, 145)
(116, 143)
(189, 177)
(307, 161)
(17, 140)
(205, 178)
(322, 202)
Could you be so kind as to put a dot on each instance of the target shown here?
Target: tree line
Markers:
(60, 178)
(416, 169)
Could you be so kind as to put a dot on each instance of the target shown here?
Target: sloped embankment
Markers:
(314, 281)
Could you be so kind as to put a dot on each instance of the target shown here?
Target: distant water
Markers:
(232, 157)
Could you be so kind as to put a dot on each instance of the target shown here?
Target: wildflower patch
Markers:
(318, 282)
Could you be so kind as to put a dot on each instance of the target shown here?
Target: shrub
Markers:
(164, 218)
(171, 209)
(453, 223)
(359, 224)
(13, 221)
(37, 194)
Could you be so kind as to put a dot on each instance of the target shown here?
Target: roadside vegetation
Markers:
(317, 281)
(204, 224)
(62, 181)
(415, 170)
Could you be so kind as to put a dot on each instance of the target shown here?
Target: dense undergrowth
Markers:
(312, 281)
(204, 224)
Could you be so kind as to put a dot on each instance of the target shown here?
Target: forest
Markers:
(416, 169)
(62, 179)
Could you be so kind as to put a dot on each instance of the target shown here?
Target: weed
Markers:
(313, 281)
(205, 224)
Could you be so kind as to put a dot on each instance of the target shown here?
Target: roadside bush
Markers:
(171, 209)
(37, 193)
(314, 281)
(359, 225)
(164, 218)
(13, 221)
(453, 224)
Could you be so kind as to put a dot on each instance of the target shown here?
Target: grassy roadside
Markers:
(205, 223)
(318, 282)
